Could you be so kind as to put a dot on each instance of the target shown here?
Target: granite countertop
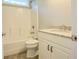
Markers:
(59, 32)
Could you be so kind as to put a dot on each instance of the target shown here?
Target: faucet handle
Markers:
(66, 27)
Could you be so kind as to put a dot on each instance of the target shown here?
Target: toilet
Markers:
(32, 48)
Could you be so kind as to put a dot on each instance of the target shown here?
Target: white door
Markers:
(58, 54)
(43, 49)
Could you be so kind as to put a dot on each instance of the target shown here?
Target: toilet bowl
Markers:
(32, 48)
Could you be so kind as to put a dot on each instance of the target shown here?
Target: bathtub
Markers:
(13, 47)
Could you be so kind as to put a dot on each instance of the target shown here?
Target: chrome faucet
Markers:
(62, 27)
(65, 27)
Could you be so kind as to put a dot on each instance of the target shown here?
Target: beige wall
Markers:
(16, 22)
(54, 12)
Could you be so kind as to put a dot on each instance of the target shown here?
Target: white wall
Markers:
(74, 16)
(34, 16)
(54, 12)
(34, 20)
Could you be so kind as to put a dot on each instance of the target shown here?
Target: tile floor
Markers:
(19, 56)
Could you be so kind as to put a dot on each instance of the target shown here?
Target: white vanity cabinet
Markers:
(51, 47)
(44, 50)
(58, 53)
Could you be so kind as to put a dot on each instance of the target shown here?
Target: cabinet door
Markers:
(43, 50)
(59, 54)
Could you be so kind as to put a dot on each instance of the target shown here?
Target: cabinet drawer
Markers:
(62, 41)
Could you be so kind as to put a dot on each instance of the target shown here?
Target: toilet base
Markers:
(31, 53)
(36, 57)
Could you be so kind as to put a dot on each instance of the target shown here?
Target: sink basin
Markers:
(58, 30)
(61, 32)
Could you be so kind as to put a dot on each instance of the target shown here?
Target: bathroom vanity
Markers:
(56, 44)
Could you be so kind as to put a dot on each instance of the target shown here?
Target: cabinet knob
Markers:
(51, 48)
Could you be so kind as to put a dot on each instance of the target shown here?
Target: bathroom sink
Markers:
(61, 32)
(54, 30)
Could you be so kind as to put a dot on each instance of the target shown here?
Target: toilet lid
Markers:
(32, 41)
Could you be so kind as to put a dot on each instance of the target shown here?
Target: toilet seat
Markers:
(31, 41)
